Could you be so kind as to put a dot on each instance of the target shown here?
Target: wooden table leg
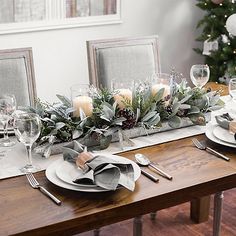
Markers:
(96, 232)
(218, 201)
(137, 226)
(199, 210)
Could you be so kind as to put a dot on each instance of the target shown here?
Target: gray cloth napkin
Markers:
(101, 170)
(223, 120)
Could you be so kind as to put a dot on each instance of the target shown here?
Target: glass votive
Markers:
(123, 92)
(232, 88)
(81, 100)
(160, 81)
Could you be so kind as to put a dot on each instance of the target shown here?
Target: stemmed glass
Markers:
(232, 88)
(7, 107)
(27, 128)
(199, 75)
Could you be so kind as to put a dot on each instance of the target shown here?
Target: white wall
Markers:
(60, 56)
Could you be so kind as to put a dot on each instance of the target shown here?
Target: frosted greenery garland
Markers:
(146, 111)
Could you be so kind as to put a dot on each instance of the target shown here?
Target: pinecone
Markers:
(169, 109)
(129, 116)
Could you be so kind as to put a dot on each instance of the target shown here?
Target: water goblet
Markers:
(7, 107)
(199, 75)
(27, 128)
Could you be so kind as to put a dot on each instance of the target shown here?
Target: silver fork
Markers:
(199, 145)
(35, 184)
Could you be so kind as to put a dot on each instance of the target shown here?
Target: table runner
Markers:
(16, 157)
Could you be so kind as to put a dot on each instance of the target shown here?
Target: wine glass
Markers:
(232, 88)
(7, 107)
(199, 75)
(27, 128)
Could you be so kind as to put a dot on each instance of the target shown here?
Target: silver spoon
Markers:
(144, 161)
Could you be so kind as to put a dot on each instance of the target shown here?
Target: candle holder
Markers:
(81, 100)
(159, 81)
(123, 92)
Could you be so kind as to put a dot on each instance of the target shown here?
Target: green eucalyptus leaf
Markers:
(175, 109)
(186, 98)
(46, 119)
(193, 110)
(184, 106)
(60, 125)
(105, 141)
(107, 112)
(118, 121)
(82, 114)
(149, 116)
(65, 134)
(154, 120)
(174, 122)
(159, 95)
(70, 110)
(66, 101)
(77, 133)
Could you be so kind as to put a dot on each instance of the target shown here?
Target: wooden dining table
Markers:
(196, 174)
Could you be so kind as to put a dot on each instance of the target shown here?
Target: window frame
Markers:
(54, 12)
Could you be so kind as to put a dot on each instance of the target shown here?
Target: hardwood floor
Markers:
(175, 221)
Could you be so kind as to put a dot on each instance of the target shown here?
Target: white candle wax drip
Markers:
(83, 102)
(123, 95)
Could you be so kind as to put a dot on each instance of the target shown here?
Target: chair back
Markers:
(17, 75)
(122, 59)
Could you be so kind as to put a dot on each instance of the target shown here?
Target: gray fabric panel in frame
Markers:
(17, 75)
(122, 59)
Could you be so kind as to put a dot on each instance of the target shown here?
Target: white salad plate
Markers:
(209, 133)
(68, 174)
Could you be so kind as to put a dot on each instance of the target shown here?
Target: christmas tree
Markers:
(219, 46)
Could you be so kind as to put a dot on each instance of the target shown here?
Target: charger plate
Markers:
(224, 135)
(209, 133)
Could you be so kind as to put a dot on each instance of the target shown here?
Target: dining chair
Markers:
(122, 59)
(214, 86)
(17, 75)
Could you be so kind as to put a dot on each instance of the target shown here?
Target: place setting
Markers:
(84, 171)
(223, 127)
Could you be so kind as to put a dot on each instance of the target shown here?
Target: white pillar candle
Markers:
(157, 87)
(83, 102)
(123, 95)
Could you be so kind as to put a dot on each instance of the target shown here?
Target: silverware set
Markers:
(35, 184)
(201, 146)
(144, 161)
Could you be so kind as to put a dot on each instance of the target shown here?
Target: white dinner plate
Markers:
(209, 133)
(52, 176)
(67, 172)
(224, 135)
